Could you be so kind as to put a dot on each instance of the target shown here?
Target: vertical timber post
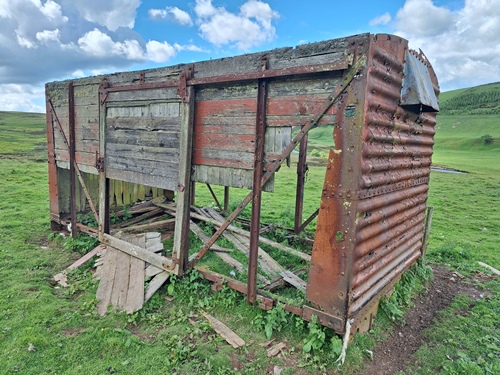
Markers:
(301, 179)
(226, 199)
(51, 151)
(184, 187)
(72, 158)
(260, 132)
(104, 218)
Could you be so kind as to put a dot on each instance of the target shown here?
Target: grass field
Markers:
(49, 330)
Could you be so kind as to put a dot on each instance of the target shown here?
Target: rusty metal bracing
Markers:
(276, 163)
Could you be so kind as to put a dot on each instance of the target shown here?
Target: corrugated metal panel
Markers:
(393, 181)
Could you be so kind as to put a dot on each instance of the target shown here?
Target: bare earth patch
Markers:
(395, 353)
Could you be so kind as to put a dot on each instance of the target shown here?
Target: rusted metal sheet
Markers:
(372, 211)
(396, 158)
(418, 90)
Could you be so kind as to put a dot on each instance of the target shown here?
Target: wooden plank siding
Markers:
(143, 123)
(142, 140)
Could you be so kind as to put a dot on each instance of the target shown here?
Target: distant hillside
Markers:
(478, 100)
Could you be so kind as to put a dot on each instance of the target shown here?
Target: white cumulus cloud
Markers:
(159, 52)
(171, 13)
(251, 27)
(46, 36)
(462, 45)
(384, 19)
(109, 13)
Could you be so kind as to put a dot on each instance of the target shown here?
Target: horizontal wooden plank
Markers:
(158, 154)
(230, 107)
(152, 94)
(226, 142)
(222, 158)
(166, 170)
(297, 105)
(222, 176)
(145, 123)
(161, 138)
(80, 157)
(168, 183)
(158, 109)
(293, 121)
(224, 125)
(229, 91)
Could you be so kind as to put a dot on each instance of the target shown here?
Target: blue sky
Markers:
(46, 40)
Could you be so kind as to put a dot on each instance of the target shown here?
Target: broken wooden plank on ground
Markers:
(135, 289)
(276, 349)
(232, 338)
(61, 277)
(105, 287)
(266, 262)
(294, 280)
(154, 211)
(155, 284)
(280, 282)
(492, 269)
(156, 225)
(245, 233)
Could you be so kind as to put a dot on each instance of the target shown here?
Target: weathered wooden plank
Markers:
(246, 107)
(277, 139)
(264, 240)
(294, 280)
(159, 154)
(227, 142)
(152, 271)
(105, 287)
(161, 138)
(152, 94)
(234, 177)
(141, 176)
(135, 291)
(224, 125)
(226, 258)
(183, 199)
(81, 158)
(267, 264)
(223, 158)
(231, 91)
(138, 252)
(141, 166)
(144, 123)
(232, 338)
(155, 284)
(150, 213)
(121, 280)
(160, 224)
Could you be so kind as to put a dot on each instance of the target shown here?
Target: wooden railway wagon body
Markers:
(230, 122)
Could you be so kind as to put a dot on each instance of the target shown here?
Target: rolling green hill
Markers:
(478, 100)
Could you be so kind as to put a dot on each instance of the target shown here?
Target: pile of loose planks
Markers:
(127, 282)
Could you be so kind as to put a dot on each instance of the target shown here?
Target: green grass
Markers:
(66, 336)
